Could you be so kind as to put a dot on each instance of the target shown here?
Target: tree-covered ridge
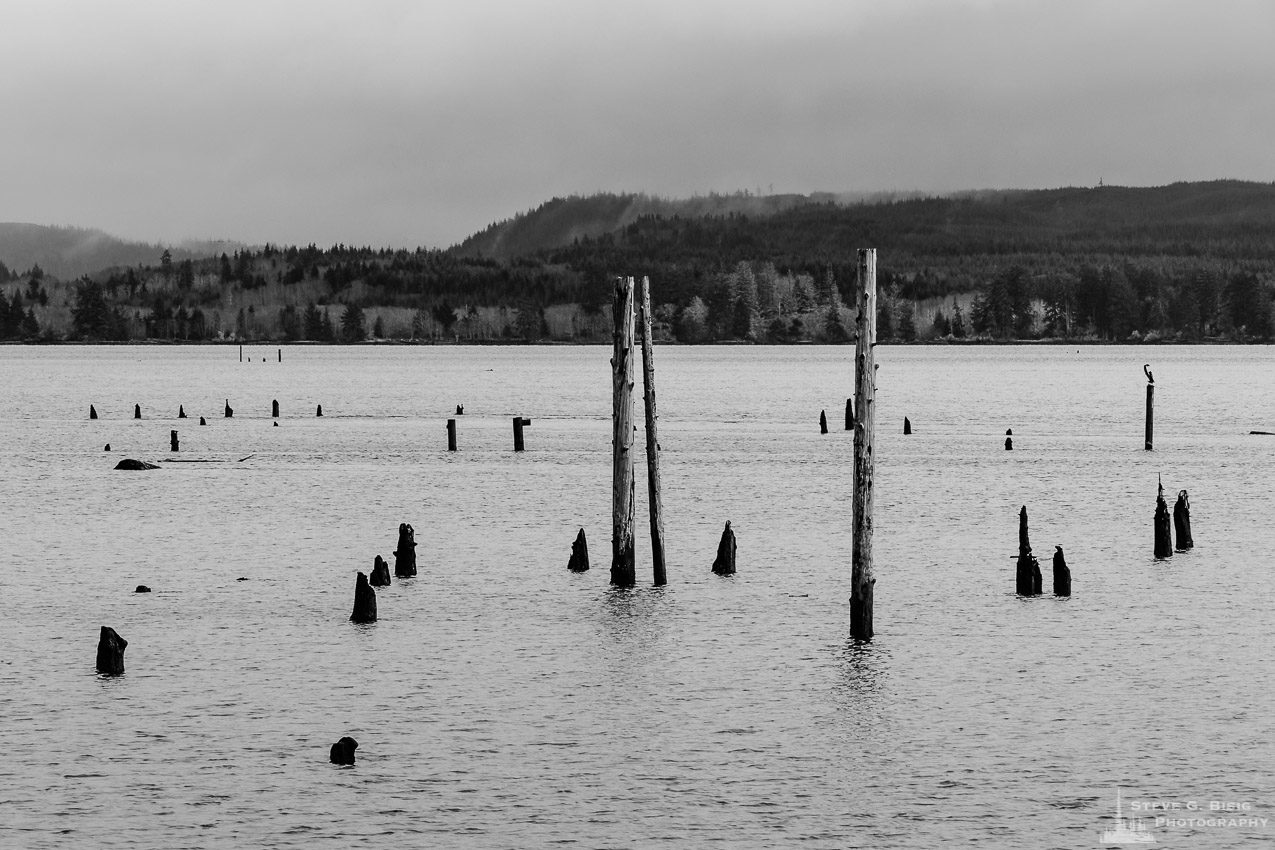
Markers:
(1189, 261)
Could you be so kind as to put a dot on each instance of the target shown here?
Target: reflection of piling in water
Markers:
(1182, 522)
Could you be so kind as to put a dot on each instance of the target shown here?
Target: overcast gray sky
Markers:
(418, 123)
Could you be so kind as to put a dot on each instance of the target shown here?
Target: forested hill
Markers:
(73, 251)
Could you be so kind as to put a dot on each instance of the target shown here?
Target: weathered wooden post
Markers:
(622, 556)
(364, 601)
(274, 408)
(110, 652)
(1062, 575)
(861, 577)
(342, 751)
(405, 552)
(1163, 532)
(280, 350)
(907, 425)
(172, 441)
(92, 412)
(1150, 429)
(137, 411)
(241, 352)
(380, 573)
(654, 501)
(203, 421)
(451, 435)
(849, 414)
(579, 561)
(1182, 522)
(724, 563)
(823, 422)
(519, 423)
(318, 411)
(181, 411)
(460, 410)
(229, 410)
(1009, 444)
(1027, 573)
(108, 448)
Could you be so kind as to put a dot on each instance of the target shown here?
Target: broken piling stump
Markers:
(850, 414)
(1163, 531)
(318, 411)
(172, 441)
(229, 410)
(181, 411)
(108, 448)
(137, 411)
(907, 425)
(364, 601)
(1027, 574)
(1062, 575)
(110, 652)
(1182, 522)
(1009, 444)
(724, 565)
(92, 412)
(823, 422)
(519, 424)
(274, 409)
(405, 552)
(131, 463)
(451, 435)
(579, 561)
(203, 421)
(141, 588)
(460, 410)
(380, 573)
(342, 751)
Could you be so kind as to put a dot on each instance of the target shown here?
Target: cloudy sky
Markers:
(416, 123)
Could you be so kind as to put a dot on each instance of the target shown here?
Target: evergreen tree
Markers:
(90, 318)
(353, 324)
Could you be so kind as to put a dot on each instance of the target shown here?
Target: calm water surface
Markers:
(502, 701)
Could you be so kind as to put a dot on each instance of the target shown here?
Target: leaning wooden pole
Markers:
(654, 501)
(622, 567)
(865, 391)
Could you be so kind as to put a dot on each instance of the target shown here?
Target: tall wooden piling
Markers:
(451, 435)
(1149, 431)
(1182, 522)
(907, 425)
(849, 414)
(172, 441)
(654, 501)
(405, 551)
(519, 423)
(861, 577)
(137, 411)
(1163, 530)
(823, 422)
(1027, 579)
(622, 557)
(274, 409)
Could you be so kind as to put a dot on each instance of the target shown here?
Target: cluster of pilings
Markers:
(1027, 577)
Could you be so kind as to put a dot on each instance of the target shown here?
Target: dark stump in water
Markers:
(141, 588)
(230, 412)
(1009, 444)
(343, 751)
(1182, 522)
(173, 443)
(110, 652)
(405, 552)
(92, 412)
(823, 422)
(1163, 528)
(181, 411)
(274, 408)
(460, 410)
(579, 554)
(108, 448)
(724, 565)
(1027, 574)
(130, 463)
(203, 421)
(907, 425)
(849, 414)
(380, 573)
(137, 411)
(1062, 575)
(318, 411)
(364, 601)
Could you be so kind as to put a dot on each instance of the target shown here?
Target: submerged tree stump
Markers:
(1163, 529)
(110, 652)
(1182, 522)
(380, 573)
(1027, 575)
(364, 601)
(724, 565)
(579, 561)
(1062, 575)
(405, 552)
(342, 751)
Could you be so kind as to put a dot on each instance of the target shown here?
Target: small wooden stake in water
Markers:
(1150, 428)
(172, 441)
(240, 353)
(823, 422)
(579, 560)
(1163, 530)
(280, 350)
(861, 578)
(622, 557)
(229, 411)
(519, 423)
(1062, 575)
(849, 414)
(318, 411)
(451, 435)
(92, 412)
(654, 501)
(907, 425)
(274, 408)
(137, 411)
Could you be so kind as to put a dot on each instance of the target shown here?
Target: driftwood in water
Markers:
(181, 411)
(92, 412)
(1182, 522)
(364, 601)
(519, 424)
(130, 463)
(1163, 530)
(907, 425)
(451, 435)
(622, 555)
(405, 552)
(724, 564)
(579, 561)
(342, 751)
(380, 573)
(1027, 574)
(110, 652)
(137, 411)
(172, 441)
(823, 422)
(862, 581)
(229, 410)
(849, 414)
(1150, 426)
(654, 501)
(274, 408)
(1062, 575)
(1264, 433)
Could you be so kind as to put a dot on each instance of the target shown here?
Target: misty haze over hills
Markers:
(67, 252)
